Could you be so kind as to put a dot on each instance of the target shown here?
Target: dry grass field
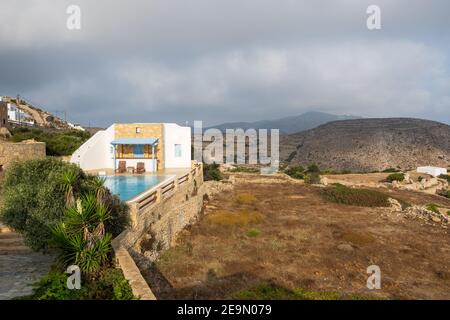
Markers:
(285, 241)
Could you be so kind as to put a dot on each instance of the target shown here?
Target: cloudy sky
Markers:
(227, 60)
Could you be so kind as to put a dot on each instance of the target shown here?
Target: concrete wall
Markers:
(175, 134)
(26, 150)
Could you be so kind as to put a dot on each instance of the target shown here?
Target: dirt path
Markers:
(303, 242)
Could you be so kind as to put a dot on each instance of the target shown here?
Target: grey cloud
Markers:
(227, 60)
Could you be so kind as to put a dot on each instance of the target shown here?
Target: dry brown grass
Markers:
(245, 198)
(238, 218)
(358, 238)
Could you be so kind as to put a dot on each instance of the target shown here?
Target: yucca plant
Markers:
(69, 180)
(99, 185)
(82, 237)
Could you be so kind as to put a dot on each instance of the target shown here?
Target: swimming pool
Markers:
(128, 187)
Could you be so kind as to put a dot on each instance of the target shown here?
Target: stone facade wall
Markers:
(148, 130)
(156, 228)
(3, 114)
(26, 150)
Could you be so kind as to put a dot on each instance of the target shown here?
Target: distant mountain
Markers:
(370, 144)
(287, 125)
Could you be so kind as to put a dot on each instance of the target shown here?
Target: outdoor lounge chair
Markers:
(122, 167)
(140, 167)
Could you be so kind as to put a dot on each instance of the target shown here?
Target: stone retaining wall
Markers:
(26, 150)
(157, 218)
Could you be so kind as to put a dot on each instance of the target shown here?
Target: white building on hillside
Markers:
(433, 171)
(136, 147)
(15, 115)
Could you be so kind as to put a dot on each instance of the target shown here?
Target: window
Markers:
(138, 130)
(178, 151)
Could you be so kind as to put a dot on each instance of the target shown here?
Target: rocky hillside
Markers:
(41, 117)
(370, 144)
(287, 125)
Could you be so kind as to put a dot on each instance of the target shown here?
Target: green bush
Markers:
(58, 143)
(252, 233)
(296, 172)
(35, 194)
(395, 177)
(211, 172)
(312, 178)
(433, 207)
(357, 197)
(444, 193)
(445, 176)
(110, 285)
(313, 168)
(245, 169)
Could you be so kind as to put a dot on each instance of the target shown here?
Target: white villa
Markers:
(148, 147)
(15, 115)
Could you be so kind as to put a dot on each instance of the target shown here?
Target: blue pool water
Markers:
(127, 187)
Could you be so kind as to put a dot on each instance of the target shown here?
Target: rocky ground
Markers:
(294, 239)
(19, 266)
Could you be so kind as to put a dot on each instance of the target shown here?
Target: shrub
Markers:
(212, 172)
(252, 233)
(35, 194)
(395, 177)
(110, 285)
(357, 197)
(445, 176)
(271, 291)
(420, 178)
(245, 198)
(240, 218)
(313, 168)
(312, 178)
(390, 170)
(296, 172)
(444, 193)
(58, 143)
(245, 169)
(433, 207)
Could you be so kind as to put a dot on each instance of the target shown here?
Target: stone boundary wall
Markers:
(157, 217)
(20, 151)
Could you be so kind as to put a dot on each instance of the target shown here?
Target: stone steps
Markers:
(11, 242)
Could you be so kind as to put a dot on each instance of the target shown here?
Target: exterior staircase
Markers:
(11, 242)
(20, 267)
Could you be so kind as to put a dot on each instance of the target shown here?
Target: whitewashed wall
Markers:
(96, 153)
(175, 134)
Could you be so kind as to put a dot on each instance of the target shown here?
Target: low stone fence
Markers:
(157, 216)
(19, 151)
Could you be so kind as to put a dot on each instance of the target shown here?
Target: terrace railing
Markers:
(155, 195)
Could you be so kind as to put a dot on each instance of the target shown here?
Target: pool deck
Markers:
(176, 172)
